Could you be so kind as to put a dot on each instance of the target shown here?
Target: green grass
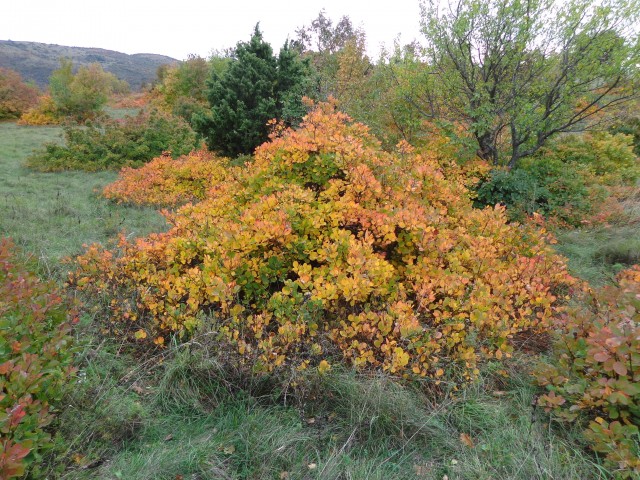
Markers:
(51, 215)
(181, 417)
(598, 253)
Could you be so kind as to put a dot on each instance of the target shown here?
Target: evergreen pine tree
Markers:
(255, 88)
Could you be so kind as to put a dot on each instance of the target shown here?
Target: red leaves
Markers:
(34, 369)
(597, 370)
(11, 455)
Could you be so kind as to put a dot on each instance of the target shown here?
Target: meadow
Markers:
(51, 215)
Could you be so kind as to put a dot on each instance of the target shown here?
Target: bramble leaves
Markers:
(35, 361)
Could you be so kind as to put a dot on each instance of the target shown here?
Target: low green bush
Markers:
(550, 188)
(566, 181)
(130, 142)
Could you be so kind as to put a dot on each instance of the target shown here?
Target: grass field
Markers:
(51, 215)
(182, 416)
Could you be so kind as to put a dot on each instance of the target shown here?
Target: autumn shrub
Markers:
(114, 144)
(43, 113)
(594, 373)
(326, 246)
(610, 158)
(16, 97)
(168, 182)
(129, 100)
(629, 126)
(35, 362)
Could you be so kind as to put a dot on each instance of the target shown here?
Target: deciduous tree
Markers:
(16, 97)
(520, 71)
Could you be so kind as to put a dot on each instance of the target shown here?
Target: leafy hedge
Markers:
(594, 373)
(35, 362)
(168, 182)
(326, 246)
(132, 141)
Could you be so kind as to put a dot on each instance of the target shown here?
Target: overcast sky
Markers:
(181, 27)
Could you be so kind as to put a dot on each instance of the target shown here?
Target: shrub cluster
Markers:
(630, 126)
(168, 182)
(43, 113)
(35, 362)
(16, 96)
(545, 186)
(595, 371)
(114, 144)
(326, 244)
(565, 181)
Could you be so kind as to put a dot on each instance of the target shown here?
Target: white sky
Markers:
(179, 27)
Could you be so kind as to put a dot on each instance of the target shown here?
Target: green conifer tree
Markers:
(255, 88)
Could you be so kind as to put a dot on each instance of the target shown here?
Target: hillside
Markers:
(35, 61)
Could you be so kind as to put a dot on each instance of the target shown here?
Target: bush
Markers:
(549, 187)
(594, 373)
(328, 245)
(567, 181)
(130, 142)
(630, 127)
(35, 362)
(44, 113)
(168, 182)
(16, 97)
(610, 158)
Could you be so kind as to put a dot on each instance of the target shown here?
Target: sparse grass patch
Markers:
(597, 253)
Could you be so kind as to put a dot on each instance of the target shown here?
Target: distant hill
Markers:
(35, 61)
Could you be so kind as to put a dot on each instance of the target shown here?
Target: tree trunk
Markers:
(488, 150)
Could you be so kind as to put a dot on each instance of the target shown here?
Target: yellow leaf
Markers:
(466, 440)
(140, 334)
(324, 367)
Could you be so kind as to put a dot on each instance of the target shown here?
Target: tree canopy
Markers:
(520, 71)
(82, 95)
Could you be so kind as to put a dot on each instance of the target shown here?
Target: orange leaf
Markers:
(466, 439)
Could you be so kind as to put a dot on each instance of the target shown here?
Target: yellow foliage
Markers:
(328, 244)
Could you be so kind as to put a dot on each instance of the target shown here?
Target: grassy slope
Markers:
(181, 416)
(52, 214)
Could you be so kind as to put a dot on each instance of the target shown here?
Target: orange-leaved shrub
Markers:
(44, 113)
(595, 372)
(35, 362)
(16, 96)
(325, 246)
(168, 182)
